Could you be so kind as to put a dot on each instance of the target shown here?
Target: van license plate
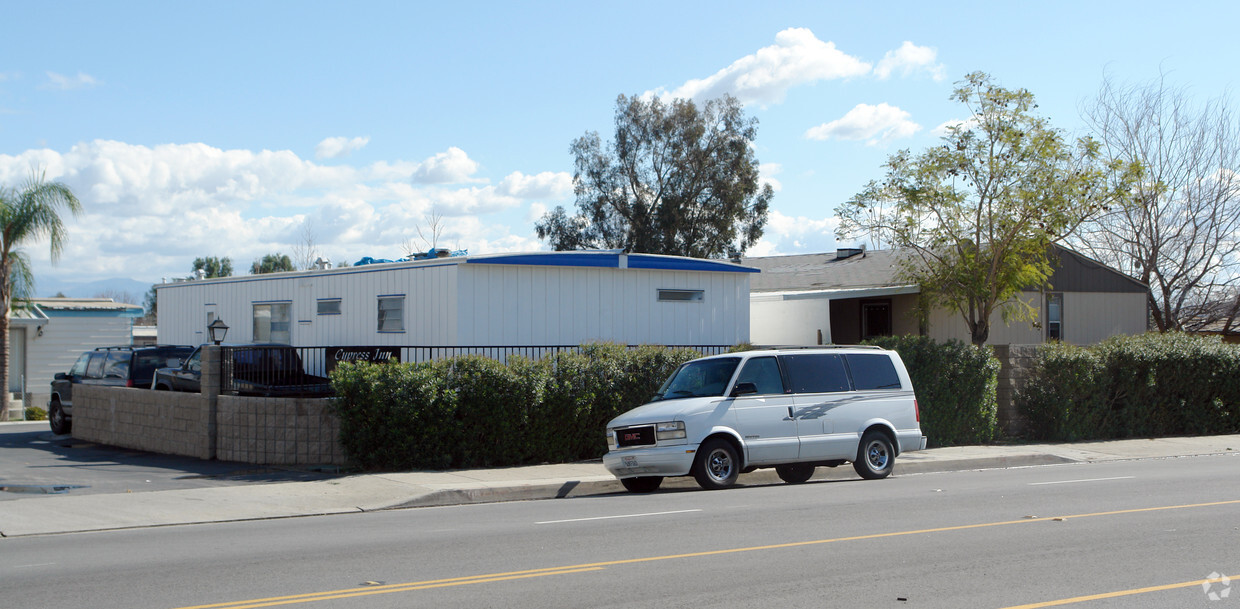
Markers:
(630, 461)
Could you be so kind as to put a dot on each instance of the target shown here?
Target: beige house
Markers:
(853, 294)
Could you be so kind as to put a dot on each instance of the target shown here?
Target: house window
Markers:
(1054, 317)
(272, 322)
(681, 295)
(330, 306)
(392, 313)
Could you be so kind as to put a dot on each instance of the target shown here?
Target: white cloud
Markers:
(796, 58)
(910, 58)
(149, 211)
(547, 184)
(875, 124)
(451, 167)
(65, 83)
(767, 173)
(335, 147)
(785, 235)
(944, 128)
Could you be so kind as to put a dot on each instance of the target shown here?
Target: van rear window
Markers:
(816, 373)
(872, 371)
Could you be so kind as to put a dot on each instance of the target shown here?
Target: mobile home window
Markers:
(1054, 317)
(272, 323)
(330, 306)
(392, 313)
(681, 295)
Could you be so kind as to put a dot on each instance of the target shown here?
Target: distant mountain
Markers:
(115, 288)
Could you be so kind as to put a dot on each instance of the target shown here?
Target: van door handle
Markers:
(790, 414)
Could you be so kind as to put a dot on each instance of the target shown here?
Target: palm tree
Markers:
(26, 215)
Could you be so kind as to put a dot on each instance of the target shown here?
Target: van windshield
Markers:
(699, 379)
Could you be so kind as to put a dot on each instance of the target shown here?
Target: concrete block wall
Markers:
(1016, 362)
(154, 421)
(277, 431)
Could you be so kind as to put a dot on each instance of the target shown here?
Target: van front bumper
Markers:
(653, 461)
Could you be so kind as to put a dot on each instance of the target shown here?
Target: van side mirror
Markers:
(744, 389)
(60, 376)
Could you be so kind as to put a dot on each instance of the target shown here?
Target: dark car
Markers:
(269, 369)
(122, 366)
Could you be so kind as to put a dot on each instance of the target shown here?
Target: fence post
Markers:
(210, 388)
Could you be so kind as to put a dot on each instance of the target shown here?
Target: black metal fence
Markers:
(302, 371)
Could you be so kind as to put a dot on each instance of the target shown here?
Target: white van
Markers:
(791, 409)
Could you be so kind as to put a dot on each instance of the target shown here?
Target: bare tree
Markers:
(120, 296)
(428, 236)
(307, 252)
(1180, 233)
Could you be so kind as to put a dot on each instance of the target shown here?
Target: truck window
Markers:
(816, 372)
(94, 368)
(872, 371)
(117, 365)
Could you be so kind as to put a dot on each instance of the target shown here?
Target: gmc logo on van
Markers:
(635, 436)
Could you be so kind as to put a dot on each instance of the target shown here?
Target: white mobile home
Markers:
(533, 299)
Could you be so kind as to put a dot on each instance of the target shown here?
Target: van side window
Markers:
(872, 371)
(816, 373)
(763, 372)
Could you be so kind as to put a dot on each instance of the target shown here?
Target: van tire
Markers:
(642, 484)
(795, 473)
(875, 456)
(61, 424)
(717, 465)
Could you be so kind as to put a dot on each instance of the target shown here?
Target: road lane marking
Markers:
(614, 517)
(1085, 480)
(1094, 597)
(582, 568)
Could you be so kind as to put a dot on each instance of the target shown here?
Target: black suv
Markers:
(125, 366)
(262, 369)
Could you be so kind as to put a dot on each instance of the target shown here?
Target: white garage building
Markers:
(532, 299)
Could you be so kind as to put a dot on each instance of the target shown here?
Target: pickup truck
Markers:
(259, 370)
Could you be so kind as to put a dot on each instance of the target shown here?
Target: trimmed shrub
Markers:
(472, 411)
(1134, 386)
(956, 385)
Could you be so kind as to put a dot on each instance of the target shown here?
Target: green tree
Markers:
(214, 267)
(272, 263)
(975, 217)
(150, 304)
(27, 214)
(678, 179)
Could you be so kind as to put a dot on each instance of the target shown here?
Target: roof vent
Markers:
(848, 252)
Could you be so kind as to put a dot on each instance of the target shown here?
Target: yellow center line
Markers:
(495, 577)
(1094, 597)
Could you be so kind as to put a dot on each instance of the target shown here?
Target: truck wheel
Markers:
(717, 465)
(875, 456)
(642, 484)
(61, 424)
(795, 473)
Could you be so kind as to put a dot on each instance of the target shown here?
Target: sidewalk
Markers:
(369, 492)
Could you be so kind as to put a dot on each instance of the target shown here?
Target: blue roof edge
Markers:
(611, 259)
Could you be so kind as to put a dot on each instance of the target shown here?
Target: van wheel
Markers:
(642, 484)
(795, 473)
(60, 423)
(875, 456)
(717, 465)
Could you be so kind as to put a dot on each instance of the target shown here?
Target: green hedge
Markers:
(956, 385)
(476, 412)
(1134, 386)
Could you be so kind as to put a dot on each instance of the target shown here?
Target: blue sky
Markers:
(236, 128)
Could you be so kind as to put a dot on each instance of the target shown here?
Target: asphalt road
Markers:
(1139, 533)
(36, 461)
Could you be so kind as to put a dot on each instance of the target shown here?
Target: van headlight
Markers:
(674, 430)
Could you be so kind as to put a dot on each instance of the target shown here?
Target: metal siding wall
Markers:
(1092, 317)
